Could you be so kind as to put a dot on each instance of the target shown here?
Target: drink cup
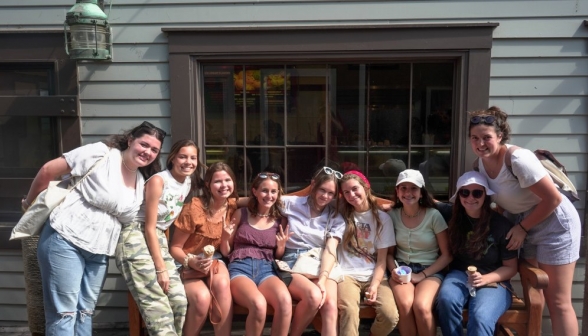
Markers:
(404, 273)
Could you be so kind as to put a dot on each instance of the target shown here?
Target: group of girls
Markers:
(125, 205)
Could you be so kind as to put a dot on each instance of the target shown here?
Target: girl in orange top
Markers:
(200, 224)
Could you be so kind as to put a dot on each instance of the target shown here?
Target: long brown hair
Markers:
(477, 243)
(350, 234)
(206, 197)
(253, 202)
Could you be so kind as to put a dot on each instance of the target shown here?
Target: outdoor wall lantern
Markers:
(88, 35)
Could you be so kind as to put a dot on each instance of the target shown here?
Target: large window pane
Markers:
(378, 118)
(223, 105)
(26, 143)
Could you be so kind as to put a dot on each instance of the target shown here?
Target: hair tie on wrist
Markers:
(423, 271)
(522, 227)
(160, 271)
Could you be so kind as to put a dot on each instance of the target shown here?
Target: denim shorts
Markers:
(291, 255)
(257, 270)
(417, 268)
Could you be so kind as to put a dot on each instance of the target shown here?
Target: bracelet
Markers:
(522, 227)
(187, 259)
(423, 271)
(160, 271)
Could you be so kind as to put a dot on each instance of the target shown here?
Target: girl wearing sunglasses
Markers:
(547, 224)
(206, 280)
(422, 245)
(477, 236)
(83, 231)
(255, 237)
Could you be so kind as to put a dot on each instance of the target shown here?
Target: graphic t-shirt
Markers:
(360, 264)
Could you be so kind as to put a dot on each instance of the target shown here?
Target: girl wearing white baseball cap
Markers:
(421, 244)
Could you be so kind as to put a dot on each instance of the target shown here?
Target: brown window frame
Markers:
(47, 47)
(468, 44)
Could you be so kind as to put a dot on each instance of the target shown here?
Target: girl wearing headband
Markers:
(548, 227)
(368, 240)
(422, 245)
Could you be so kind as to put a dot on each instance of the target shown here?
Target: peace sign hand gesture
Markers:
(229, 228)
(283, 236)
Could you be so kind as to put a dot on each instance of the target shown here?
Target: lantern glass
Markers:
(87, 37)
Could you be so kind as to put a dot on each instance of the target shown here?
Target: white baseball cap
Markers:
(413, 176)
(471, 177)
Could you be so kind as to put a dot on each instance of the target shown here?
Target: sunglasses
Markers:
(488, 120)
(331, 171)
(465, 193)
(149, 125)
(265, 175)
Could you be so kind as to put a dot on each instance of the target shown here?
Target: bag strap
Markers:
(214, 302)
(507, 160)
(94, 166)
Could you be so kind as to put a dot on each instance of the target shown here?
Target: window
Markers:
(38, 114)
(295, 98)
(378, 118)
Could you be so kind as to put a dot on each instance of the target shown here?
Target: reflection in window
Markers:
(295, 118)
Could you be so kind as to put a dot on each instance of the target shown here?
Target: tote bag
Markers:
(32, 220)
(309, 265)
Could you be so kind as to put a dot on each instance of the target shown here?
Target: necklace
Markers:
(257, 214)
(223, 207)
(411, 216)
(124, 164)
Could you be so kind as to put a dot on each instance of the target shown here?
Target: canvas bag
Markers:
(309, 265)
(32, 220)
(556, 171)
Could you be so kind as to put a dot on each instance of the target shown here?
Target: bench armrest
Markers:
(532, 276)
(533, 280)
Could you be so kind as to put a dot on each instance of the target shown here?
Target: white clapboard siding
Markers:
(124, 72)
(550, 105)
(538, 48)
(234, 12)
(126, 108)
(529, 67)
(539, 75)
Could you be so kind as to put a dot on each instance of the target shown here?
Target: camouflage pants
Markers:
(163, 313)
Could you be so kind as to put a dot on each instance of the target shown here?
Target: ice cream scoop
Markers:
(208, 251)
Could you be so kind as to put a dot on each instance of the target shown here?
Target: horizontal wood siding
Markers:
(539, 75)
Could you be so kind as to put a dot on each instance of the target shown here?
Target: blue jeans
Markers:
(484, 309)
(72, 279)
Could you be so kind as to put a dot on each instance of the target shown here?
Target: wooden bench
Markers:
(523, 317)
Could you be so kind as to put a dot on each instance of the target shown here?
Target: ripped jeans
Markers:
(72, 279)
